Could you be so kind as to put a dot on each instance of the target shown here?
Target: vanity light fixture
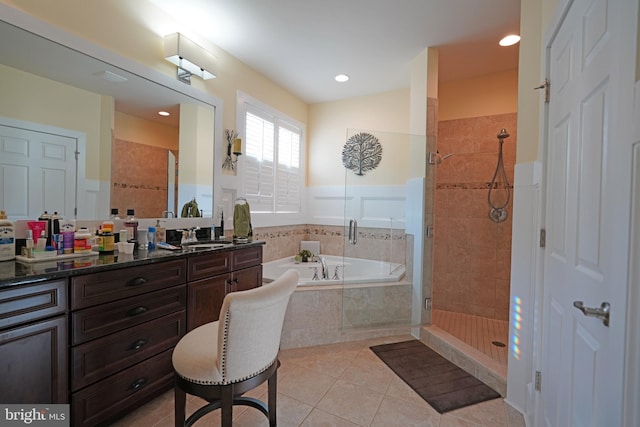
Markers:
(509, 40)
(191, 59)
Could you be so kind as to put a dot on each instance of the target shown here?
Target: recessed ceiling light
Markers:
(510, 40)
(341, 78)
(164, 113)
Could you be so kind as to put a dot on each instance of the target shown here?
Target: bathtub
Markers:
(350, 271)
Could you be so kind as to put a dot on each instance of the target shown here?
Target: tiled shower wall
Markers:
(472, 254)
(138, 179)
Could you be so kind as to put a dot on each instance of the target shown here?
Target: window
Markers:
(272, 175)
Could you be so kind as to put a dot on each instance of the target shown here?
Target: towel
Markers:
(242, 220)
(190, 210)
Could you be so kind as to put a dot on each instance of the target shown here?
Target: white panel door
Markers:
(587, 200)
(37, 173)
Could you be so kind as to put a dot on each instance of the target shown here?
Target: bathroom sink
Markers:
(204, 246)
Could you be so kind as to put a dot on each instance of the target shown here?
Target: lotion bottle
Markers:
(7, 238)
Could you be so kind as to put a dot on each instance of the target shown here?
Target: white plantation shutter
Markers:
(258, 165)
(288, 171)
(272, 166)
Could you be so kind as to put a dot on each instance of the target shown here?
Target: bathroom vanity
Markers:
(98, 332)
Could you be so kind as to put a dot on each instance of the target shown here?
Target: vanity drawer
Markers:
(96, 322)
(105, 356)
(98, 288)
(209, 264)
(247, 257)
(27, 303)
(118, 393)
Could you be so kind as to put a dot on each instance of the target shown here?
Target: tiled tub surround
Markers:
(330, 314)
(472, 254)
(373, 243)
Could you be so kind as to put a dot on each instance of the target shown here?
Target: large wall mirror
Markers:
(106, 108)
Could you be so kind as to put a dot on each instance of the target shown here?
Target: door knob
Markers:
(601, 312)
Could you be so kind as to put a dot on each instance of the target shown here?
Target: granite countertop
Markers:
(13, 273)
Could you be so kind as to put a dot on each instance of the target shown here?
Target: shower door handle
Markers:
(353, 231)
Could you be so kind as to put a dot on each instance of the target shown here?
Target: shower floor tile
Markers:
(475, 331)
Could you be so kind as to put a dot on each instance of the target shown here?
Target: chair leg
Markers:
(180, 404)
(227, 405)
(272, 385)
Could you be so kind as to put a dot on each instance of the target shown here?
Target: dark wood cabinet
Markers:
(102, 340)
(124, 325)
(33, 344)
(213, 275)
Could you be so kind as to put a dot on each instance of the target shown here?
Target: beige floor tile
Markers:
(319, 418)
(395, 412)
(305, 385)
(337, 385)
(352, 402)
(489, 414)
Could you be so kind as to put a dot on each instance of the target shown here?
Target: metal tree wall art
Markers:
(361, 153)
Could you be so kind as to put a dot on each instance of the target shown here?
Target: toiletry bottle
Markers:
(67, 229)
(161, 233)
(46, 216)
(114, 214)
(41, 244)
(7, 238)
(131, 225)
(82, 241)
(29, 245)
(152, 238)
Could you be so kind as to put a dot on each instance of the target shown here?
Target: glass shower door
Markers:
(377, 291)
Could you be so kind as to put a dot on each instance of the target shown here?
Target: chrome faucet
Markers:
(325, 269)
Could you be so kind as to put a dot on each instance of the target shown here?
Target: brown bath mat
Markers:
(441, 383)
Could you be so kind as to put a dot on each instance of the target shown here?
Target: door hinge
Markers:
(429, 231)
(538, 384)
(543, 237)
(427, 303)
(77, 153)
(547, 92)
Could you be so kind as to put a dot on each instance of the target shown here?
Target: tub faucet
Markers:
(325, 269)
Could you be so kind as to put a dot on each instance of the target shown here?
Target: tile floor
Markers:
(478, 332)
(341, 385)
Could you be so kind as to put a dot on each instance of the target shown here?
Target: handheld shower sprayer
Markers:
(498, 212)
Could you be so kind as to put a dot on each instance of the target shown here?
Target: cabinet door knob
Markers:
(138, 344)
(138, 384)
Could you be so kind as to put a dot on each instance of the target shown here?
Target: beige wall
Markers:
(135, 129)
(328, 123)
(479, 96)
(34, 99)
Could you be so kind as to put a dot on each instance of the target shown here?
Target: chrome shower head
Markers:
(503, 134)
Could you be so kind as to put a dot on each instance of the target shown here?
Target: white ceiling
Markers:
(303, 44)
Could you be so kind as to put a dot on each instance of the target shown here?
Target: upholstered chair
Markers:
(220, 361)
